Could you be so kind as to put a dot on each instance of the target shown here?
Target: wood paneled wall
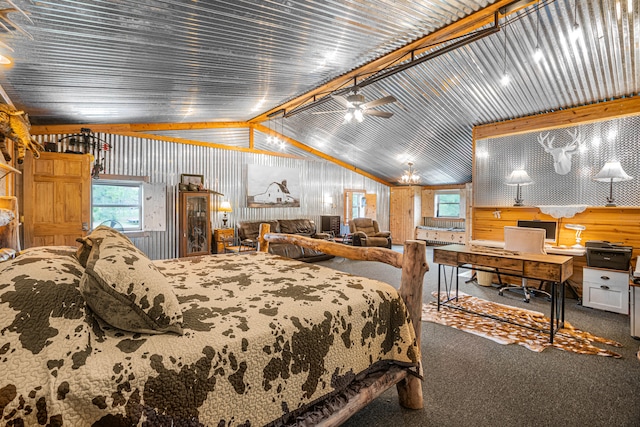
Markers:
(613, 224)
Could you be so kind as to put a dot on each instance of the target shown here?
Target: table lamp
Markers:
(518, 177)
(612, 172)
(225, 207)
(578, 229)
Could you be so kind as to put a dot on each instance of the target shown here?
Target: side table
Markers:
(220, 236)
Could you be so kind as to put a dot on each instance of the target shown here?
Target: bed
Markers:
(100, 335)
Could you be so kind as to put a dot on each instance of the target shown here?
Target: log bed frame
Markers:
(414, 266)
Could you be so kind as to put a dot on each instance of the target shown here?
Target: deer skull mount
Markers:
(561, 155)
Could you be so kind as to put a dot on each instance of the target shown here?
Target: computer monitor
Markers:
(550, 227)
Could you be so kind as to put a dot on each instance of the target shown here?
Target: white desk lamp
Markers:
(578, 228)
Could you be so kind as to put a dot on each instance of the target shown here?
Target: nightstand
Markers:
(220, 236)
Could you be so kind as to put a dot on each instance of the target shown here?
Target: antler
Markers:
(576, 140)
(546, 143)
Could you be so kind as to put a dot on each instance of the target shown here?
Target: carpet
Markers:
(567, 338)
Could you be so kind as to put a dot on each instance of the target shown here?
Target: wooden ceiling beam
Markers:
(133, 127)
(459, 28)
(591, 113)
(320, 154)
(206, 144)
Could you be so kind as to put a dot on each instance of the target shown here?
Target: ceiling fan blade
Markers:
(342, 100)
(325, 112)
(382, 101)
(383, 114)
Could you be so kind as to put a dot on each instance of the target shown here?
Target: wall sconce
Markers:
(225, 207)
(578, 229)
(612, 172)
(518, 177)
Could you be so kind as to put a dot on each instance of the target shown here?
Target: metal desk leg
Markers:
(448, 283)
(440, 266)
(562, 297)
(553, 311)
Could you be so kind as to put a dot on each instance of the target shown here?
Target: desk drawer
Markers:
(445, 257)
(510, 264)
(606, 290)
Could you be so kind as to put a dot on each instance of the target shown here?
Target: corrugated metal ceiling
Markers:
(192, 61)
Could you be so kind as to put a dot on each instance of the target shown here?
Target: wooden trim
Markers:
(135, 131)
(320, 154)
(123, 128)
(144, 178)
(558, 119)
(461, 27)
(206, 144)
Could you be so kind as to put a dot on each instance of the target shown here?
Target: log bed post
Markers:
(414, 267)
(263, 244)
(413, 263)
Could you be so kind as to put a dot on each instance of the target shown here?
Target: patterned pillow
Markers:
(124, 288)
(82, 254)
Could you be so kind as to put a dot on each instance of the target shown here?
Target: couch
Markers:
(248, 232)
(366, 232)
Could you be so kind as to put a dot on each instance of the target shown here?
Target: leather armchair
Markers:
(366, 232)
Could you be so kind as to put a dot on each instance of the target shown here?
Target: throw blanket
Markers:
(264, 337)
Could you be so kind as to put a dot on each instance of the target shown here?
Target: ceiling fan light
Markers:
(348, 116)
(358, 115)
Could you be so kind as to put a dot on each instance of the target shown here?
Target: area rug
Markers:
(567, 338)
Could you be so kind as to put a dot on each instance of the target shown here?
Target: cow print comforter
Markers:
(264, 337)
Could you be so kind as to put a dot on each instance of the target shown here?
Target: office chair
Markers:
(524, 240)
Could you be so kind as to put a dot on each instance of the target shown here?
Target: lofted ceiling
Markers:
(179, 62)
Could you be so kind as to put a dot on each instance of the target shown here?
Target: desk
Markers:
(552, 268)
(552, 250)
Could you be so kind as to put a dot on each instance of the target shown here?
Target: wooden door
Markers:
(57, 198)
(404, 215)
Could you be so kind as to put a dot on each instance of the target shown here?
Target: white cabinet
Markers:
(443, 235)
(635, 311)
(605, 289)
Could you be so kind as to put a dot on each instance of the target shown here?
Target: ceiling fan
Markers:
(356, 108)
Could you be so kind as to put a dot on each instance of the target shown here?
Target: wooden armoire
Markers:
(405, 213)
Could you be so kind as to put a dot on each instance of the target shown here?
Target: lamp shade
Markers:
(225, 207)
(612, 172)
(519, 177)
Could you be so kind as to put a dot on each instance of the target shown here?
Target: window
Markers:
(354, 204)
(448, 204)
(117, 204)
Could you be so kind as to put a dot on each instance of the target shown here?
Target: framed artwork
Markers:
(272, 187)
(191, 179)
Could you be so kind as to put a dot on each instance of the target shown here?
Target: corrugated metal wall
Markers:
(603, 141)
(225, 171)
